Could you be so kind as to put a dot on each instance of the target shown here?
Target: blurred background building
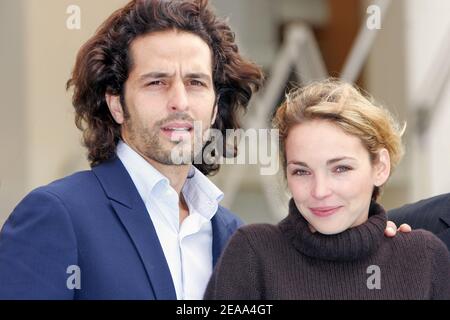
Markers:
(406, 69)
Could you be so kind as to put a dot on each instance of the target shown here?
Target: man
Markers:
(138, 225)
(430, 214)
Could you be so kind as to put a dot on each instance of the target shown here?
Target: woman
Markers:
(338, 149)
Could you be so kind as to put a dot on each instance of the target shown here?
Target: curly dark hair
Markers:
(104, 62)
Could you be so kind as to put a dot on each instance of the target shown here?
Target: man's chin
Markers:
(180, 156)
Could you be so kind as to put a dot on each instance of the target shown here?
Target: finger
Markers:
(391, 229)
(391, 224)
(405, 228)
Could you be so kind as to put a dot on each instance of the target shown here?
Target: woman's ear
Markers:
(382, 167)
(115, 107)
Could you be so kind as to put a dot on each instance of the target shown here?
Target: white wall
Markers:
(13, 130)
(427, 24)
(39, 140)
(385, 78)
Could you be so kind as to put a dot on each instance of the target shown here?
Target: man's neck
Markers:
(177, 175)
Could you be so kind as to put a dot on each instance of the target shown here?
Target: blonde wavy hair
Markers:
(355, 112)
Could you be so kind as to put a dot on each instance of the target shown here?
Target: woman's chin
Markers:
(327, 229)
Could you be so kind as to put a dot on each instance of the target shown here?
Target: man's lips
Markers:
(177, 126)
(177, 130)
(325, 211)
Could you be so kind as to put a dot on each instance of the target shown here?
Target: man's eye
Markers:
(155, 83)
(197, 83)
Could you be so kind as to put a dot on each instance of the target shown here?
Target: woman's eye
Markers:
(342, 169)
(300, 172)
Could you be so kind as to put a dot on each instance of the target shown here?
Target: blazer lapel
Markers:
(445, 235)
(221, 234)
(133, 214)
(445, 219)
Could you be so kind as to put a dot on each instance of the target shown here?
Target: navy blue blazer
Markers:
(97, 221)
(431, 214)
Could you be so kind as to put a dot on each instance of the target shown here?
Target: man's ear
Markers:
(382, 167)
(115, 107)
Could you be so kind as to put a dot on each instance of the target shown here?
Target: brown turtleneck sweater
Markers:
(288, 261)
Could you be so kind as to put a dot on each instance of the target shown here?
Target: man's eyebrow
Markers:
(162, 74)
(329, 162)
(155, 75)
(198, 75)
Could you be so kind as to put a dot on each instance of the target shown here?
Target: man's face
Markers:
(169, 87)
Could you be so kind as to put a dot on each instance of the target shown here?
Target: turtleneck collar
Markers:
(352, 244)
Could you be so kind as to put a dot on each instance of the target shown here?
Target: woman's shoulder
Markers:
(432, 242)
(419, 240)
(259, 229)
(258, 233)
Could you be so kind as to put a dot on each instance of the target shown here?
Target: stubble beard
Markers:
(151, 145)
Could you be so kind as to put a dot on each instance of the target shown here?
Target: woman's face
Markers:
(330, 175)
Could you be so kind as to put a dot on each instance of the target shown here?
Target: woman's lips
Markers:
(324, 211)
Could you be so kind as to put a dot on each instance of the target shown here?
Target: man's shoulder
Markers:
(82, 182)
(428, 209)
(50, 206)
(77, 189)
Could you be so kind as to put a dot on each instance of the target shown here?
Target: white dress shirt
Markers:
(187, 248)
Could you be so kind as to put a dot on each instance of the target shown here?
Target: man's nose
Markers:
(178, 100)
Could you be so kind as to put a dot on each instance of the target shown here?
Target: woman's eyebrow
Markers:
(334, 160)
(299, 163)
(329, 162)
